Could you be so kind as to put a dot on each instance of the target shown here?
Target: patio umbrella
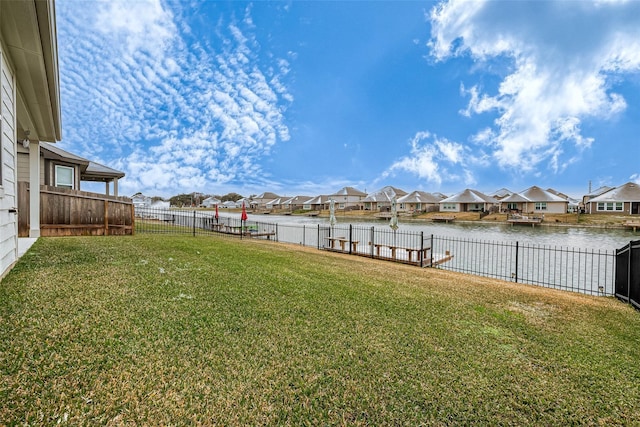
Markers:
(394, 219)
(243, 217)
(394, 215)
(332, 213)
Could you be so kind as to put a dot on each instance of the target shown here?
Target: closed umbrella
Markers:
(394, 219)
(216, 216)
(332, 213)
(243, 219)
(394, 215)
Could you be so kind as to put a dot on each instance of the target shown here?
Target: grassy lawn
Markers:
(184, 330)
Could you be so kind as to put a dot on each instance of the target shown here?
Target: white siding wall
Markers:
(8, 186)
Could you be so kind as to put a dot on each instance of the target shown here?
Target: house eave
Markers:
(29, 34)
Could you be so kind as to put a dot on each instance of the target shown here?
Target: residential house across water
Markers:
(380, 200)
(534, 200)
(468, 201)
(419, 201)
(624, 199)
(348, 198)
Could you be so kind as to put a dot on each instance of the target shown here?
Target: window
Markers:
(541, 206)
(448, 206)
(64, 176)
(512, 206)
(610, 206)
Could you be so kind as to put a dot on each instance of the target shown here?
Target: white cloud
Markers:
(434, 159)
(140, 25)
(175, 111)
(562, 60)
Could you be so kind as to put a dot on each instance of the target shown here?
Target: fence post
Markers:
(133, 220)
(318, 244)
(303, 235)
(629, 273)
(431, 253)
(421, 248)
(373, 236)
(515, 277)
(194, 223)
(277, 239)
(106, 217)
(350, 239)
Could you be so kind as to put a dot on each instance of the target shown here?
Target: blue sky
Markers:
(306, 97)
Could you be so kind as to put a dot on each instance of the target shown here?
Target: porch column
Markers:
(106, 188)
(115, 187)
(34, 188)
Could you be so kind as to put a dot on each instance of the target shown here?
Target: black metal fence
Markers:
(588, 271)
(580, 270)
(628, 273)
(163, 221)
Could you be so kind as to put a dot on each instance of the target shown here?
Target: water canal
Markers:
(565, 236)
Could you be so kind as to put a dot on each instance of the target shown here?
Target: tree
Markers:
(234, 197)
(181, 200)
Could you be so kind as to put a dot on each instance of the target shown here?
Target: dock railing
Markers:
(587, 271)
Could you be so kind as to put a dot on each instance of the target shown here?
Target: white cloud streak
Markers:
(142, 91)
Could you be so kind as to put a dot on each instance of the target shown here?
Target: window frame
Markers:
(610, 207)
(57, 182)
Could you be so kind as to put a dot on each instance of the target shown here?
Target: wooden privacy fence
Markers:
(66, 212)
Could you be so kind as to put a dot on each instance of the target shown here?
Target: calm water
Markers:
(591, 238)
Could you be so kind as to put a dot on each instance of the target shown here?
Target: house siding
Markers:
(626, 209)
(555, 207)
(23, 166)
(8, 186)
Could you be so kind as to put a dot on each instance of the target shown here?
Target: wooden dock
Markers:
(525, 220)
(407, 255)
(632, 224)
(443, 218)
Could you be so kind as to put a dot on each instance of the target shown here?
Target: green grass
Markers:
(188, 330)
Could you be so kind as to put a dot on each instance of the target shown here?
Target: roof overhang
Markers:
(89, 171)
(97, 172)
(29, 33)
